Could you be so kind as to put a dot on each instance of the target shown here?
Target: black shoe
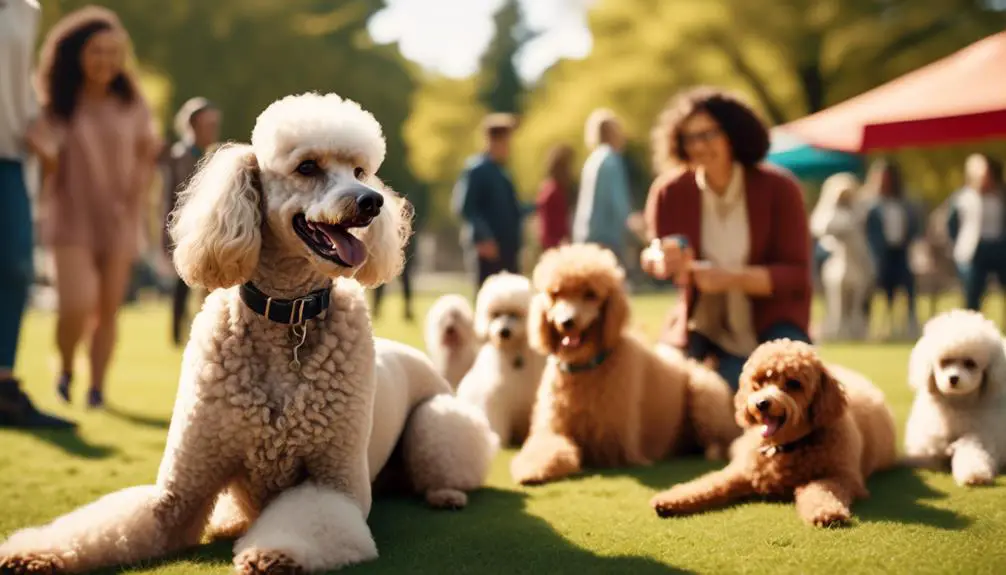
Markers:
(16, 410)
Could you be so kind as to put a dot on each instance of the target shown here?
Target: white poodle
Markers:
(848, 275)
(504, 380)
(278, 391)
(958, 371)
(449, 334)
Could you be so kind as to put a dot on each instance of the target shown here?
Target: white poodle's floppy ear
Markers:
(216, 227)
(386, 238)
(920, 365)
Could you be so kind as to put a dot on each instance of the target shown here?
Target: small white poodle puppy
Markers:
(449, 334)
(504, 380)
(958, 371)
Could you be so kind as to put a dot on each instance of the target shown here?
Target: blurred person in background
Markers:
(731, 230)
(892, 225)
(976, 224)
(604, 204)
(553, 198)
(485, 200)
(98, 145)
(197, 125)
(418, 198)
(19, 21)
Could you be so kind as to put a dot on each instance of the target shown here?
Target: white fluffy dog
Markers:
(449, 334)
(848, 275)
(958, 371)
(281, 381)
(504, 380)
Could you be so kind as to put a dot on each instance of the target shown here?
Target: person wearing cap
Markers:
(604, 204)
(485, 200)
(197, 125)
(976, 224)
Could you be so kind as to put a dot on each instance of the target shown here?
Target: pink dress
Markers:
(94, 198)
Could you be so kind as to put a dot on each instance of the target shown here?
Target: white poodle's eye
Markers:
(360, 173)
(308, 168)
(970, 364)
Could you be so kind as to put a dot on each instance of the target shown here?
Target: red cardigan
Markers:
(779, 237)
(553, 214)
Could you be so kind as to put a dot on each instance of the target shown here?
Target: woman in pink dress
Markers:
(98, 147)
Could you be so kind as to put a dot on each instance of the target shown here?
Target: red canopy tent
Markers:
(959, 98)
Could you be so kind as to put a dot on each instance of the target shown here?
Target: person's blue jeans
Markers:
(895, 273)
(16, 266)
(729, 366)
(988, 260)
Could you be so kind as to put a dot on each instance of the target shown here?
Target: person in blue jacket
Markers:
(976, 224)
(485, 200)
(892, 224)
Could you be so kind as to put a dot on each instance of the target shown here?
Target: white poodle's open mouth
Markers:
(333, 242)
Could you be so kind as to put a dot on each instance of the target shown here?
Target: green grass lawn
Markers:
(598, 523)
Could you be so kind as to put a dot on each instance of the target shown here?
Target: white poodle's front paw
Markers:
(446, 499)
(974, 478)
(262, 562)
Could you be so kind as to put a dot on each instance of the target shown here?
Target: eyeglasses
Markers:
(703, 136)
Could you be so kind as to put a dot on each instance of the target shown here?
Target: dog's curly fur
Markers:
(289, 446)
(636, 406)
(506, 374)
(449, 335)
(958, 372)
(807, 437)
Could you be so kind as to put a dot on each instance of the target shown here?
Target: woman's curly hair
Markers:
(60, 76)
(747, 134)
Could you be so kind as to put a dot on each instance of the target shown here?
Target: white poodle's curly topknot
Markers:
(958, 332)
(325, 121)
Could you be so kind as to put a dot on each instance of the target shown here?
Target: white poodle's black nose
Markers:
(954, 380)
(369, 203)
(505, 333)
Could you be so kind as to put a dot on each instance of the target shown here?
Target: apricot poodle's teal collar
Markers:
(592, 363)
(286, 311)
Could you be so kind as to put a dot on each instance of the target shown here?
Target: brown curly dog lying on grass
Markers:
(808, 437)
(607, 399)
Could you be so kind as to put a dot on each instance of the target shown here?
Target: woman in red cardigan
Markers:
(553, 198)
(730, 230)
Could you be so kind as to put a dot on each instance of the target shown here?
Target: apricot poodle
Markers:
(958, 418)
(607, 399)
(279, 389)
(808, 436)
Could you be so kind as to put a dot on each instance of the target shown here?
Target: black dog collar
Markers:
(593, 363)
(286, 311)
(772, 449)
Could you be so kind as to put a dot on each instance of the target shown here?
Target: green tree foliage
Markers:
(500, 88)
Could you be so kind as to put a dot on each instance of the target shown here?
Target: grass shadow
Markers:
(899, 495)
(494, 534)
(137, 419)
(661, 475)
(69, 441)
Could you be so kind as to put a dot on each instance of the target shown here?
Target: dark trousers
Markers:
(485, 268)
(729, 366)
(988, 260)
(895, 273)
(179, 301)
(406, 279)
(16, 265)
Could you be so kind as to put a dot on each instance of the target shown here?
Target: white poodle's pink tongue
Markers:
(769, 426)
(350, 250)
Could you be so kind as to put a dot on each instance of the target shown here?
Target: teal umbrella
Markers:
(809, 162)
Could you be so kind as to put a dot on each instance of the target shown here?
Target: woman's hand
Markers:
(712, 279)
(42, 142)
(667, 258)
